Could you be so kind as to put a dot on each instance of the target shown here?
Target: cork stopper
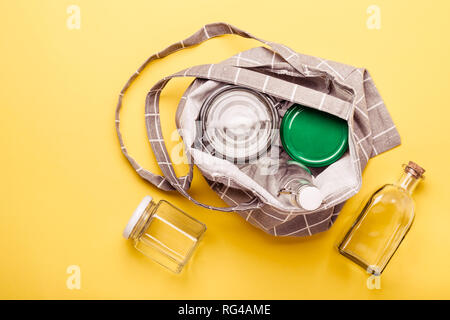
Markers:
(416, 170)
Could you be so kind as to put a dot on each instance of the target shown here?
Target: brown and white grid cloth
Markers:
(348, 93)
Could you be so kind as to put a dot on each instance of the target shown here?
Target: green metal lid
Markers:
(313, 137)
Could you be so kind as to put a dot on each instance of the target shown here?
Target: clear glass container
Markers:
(164, 233)
(238, 124)
(297, 188)
(289, 181)
(383, 223)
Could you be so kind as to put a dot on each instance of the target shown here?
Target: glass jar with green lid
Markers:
(312, 137)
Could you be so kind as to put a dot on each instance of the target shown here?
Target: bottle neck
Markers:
(408, 182)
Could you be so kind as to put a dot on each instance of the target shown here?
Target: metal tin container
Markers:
(238, 124)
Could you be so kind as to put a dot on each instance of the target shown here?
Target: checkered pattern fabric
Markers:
(341, 90)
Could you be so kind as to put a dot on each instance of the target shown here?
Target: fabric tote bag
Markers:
(287, 77)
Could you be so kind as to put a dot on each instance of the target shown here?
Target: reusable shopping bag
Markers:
(288, 77)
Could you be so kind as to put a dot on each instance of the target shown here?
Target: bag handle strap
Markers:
(170, 181)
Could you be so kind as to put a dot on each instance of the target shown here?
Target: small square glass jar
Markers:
(164, 233)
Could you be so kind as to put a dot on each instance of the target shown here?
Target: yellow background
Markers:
(67, 192)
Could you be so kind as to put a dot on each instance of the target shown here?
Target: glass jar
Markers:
(238, 124)
(289, 181)
(298, 189)
(164, 233)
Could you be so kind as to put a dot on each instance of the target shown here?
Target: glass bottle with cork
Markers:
(383, 223)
